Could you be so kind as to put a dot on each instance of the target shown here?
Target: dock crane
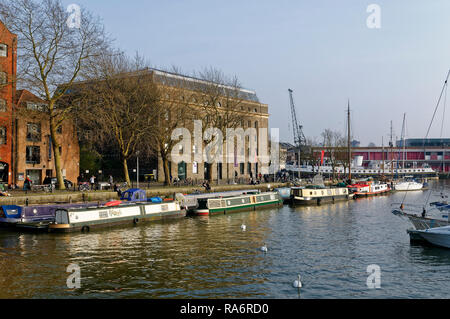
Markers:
(299, 137)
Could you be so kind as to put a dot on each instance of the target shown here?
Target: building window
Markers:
(34, 132)
(33, 155)
(2, 105)
(3, 78)
(194, 168)
(2, 135)
(249, 168)
(3, 50)
(242, 168)
(36, 106)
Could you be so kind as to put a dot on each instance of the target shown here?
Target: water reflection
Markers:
(211, 257)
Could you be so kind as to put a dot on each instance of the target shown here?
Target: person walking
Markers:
(27, 184)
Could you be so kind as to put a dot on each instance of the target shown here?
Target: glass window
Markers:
(2, 135)
(33, 155)
(34, 132)
(3, 50)
(3, 78)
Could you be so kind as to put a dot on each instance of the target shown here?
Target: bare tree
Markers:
(221, 103)
(175, 110)
(120, 102)
(334, 145)
(52, 53)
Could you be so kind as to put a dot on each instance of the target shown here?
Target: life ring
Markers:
(113, 203)
(136, 221)
(85, 229)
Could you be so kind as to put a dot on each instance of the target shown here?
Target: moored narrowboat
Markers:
(369, 188)
(84, 219)
(225, 205)
(316, 195)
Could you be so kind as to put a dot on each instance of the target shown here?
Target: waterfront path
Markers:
(70, 196)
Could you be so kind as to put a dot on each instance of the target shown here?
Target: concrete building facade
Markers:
(252, 114)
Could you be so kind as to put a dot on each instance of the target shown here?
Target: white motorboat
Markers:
(439, 236)
(408, 186)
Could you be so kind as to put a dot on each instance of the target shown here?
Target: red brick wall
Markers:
(8, 65)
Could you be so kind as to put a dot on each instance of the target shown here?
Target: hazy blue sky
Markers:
(323, 50)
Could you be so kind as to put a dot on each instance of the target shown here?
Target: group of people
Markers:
(92, 181)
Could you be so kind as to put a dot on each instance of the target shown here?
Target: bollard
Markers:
(26, 202)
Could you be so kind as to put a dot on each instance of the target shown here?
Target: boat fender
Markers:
(85, 229)
(136, 221)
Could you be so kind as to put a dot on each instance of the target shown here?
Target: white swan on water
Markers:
(264, 248)
(297, 283)
(243, 227)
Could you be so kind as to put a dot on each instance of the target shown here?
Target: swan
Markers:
(297, 283)
(243, 227)
(264, 248)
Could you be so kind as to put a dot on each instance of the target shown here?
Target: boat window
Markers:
(61, 216)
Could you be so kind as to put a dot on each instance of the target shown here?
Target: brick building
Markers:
(34, 153)
(8, 69)
(25, 144)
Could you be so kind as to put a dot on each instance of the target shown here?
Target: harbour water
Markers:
(211, 257)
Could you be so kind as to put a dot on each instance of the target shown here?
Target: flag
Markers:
(321, 157)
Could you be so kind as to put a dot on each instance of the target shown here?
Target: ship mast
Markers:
(349, 144)
(391, 144)
(403, 138)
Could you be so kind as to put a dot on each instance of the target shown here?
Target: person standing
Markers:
(111, 181)
(92, 180)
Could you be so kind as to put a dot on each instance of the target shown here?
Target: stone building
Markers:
(251, 112)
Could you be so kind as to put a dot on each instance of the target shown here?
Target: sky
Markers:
(323, 50)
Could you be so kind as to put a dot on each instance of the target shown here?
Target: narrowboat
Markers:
(368, 188)
(225, 205)
(190, 202)
(32, 217)
(84, 219)
(316, 195)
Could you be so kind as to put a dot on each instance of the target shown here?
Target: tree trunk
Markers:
(167, 180)
(125, 172)
(57, 154)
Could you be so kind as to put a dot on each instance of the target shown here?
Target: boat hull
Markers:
(435, 236)
(218, 206)
(296, 200)
(98, 217)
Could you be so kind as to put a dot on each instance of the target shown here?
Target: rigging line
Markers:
(437, 105)
(443, 112)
